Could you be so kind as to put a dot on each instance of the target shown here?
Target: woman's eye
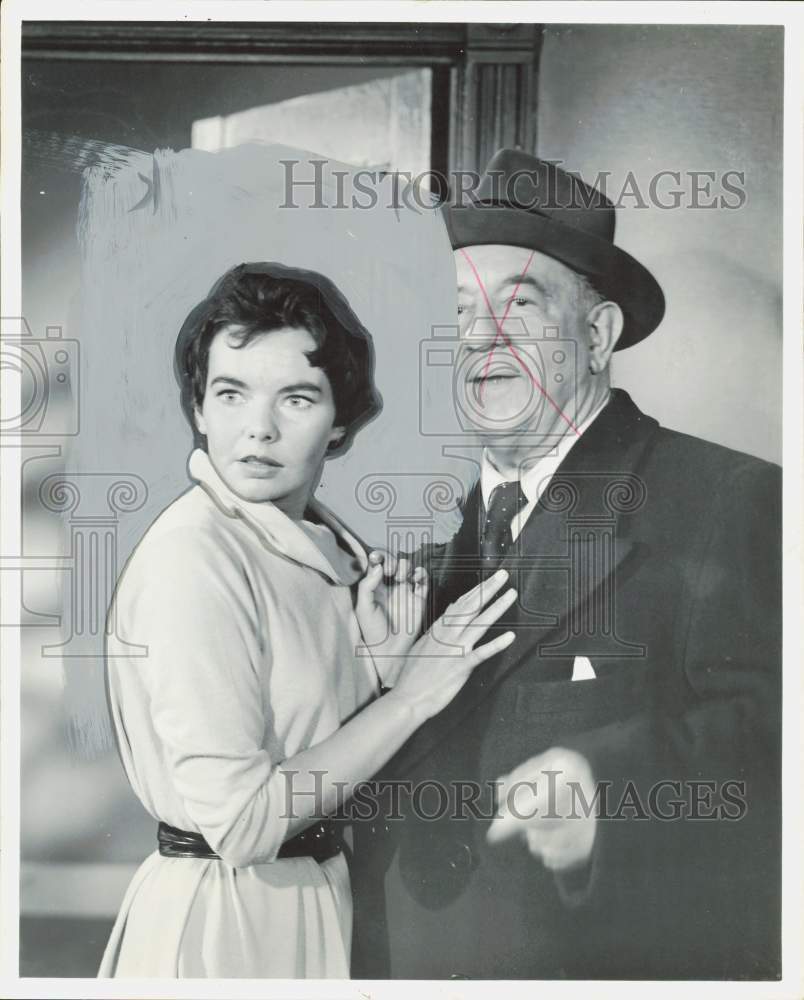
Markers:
(299, 402)
(228, 395)
(520, 300)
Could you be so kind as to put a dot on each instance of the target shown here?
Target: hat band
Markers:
(578, 218)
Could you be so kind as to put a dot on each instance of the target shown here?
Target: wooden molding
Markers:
(484, 74)
(495, 93)
(286, 41)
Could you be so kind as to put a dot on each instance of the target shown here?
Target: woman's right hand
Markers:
(439, 664)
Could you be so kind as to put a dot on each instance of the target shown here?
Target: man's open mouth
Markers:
(495, 375)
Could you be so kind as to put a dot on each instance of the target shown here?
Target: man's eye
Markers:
(520, 300)
(228, 395)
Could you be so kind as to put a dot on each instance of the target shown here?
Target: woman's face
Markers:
(268, 416)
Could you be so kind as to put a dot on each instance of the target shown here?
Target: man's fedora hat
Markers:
(523, 201)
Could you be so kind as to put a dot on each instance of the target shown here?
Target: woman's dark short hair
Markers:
(259, 298)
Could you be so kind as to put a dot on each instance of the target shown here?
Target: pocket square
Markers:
(582, 669)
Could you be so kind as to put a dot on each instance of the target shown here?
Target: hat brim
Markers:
(614, 273)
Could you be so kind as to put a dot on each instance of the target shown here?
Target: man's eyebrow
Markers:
(229, 380)
(512, 280)
(526, 280)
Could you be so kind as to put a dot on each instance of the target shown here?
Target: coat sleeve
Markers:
(198, 618)
(717, 721)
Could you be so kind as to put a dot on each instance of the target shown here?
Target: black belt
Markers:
(319, 842)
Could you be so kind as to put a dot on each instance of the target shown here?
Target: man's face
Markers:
(523, 365)
(268, 416)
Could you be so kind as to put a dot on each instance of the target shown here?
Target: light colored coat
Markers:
(247, 621)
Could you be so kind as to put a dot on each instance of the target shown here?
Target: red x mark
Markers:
(508, 344)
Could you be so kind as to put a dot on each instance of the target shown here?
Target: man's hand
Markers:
(545, 801)
(390, 609)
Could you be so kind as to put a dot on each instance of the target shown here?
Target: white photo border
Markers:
(787, 14)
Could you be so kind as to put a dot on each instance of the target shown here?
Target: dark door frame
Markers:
(484, 75)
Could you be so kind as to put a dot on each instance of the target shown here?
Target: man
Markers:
(646, 668)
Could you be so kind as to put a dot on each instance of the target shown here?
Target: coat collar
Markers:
(532, 477)
(615, 442)
(288, 538)
(613, 448)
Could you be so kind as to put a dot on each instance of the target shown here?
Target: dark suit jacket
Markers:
(657, 556)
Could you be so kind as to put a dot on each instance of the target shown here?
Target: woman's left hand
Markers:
(390, 610)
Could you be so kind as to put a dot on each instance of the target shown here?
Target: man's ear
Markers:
(200, 423)
(605, 323)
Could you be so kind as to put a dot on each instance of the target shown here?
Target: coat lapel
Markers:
(551, 617)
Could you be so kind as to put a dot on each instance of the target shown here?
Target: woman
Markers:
(252, 714)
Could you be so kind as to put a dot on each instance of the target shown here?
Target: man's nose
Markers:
(480, 334)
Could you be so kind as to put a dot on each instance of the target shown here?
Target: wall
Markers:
(660, 97)
(130, 421)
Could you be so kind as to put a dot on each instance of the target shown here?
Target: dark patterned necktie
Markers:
(496, 540)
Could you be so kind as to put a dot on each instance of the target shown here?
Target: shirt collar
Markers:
(535, 476)
(284, 535)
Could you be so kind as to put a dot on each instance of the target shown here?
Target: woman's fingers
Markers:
(465, 630)
(402, 570)
(490, 648)
(372, 578)
(480, 595)
(396, 568)
(470, 603)
(420, 581)
(490, 615)
(386, 559)
(367, 588)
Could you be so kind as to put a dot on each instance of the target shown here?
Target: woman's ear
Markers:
(200, 423)
(336, 438)
(605, 321)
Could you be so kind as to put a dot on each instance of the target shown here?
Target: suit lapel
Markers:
(455, 571)
(548, 612)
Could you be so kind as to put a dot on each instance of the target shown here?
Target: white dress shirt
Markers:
(534, 478)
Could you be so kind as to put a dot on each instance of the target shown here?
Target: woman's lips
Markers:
(261, 467)
(262, 459)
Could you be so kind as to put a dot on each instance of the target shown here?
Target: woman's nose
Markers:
(264, 426)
